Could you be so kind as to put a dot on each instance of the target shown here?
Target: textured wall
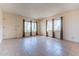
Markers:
(13, 26)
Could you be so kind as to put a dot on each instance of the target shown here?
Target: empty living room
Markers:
(39, 29)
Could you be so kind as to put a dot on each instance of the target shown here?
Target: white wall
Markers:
(9, 26)
(13, 26)
(71, 25)
(19, 26)
(1, 25)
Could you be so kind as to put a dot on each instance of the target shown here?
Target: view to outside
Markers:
(57, 25)
(27, 27)
(33, 27)
(49, 25)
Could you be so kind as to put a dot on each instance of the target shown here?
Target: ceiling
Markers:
(37, 9)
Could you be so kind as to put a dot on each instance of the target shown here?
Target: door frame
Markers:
(23, 28)
(61, 34)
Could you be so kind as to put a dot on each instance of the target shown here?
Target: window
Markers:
(57, 27)
(57, 24)
(27, 26)
(33, 27)
(49, 25)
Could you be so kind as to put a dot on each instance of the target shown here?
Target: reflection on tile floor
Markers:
(38, 46)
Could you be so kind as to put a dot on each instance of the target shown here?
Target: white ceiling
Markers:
(37, 9)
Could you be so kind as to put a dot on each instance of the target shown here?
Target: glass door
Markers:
(49, 28)
(57, 28)
(27, 28)
(33, 28)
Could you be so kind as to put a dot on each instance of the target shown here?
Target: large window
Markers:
(27, 26)
(49, 25)
(57, 25)
(33, 27)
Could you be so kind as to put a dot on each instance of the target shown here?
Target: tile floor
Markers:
(38, 46)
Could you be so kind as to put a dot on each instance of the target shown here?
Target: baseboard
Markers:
(73, 41)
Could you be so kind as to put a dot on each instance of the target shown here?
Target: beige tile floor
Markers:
(38, 46)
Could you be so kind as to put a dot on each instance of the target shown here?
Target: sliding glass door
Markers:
(27, 28)
(33, 28)
(49, 28)
(57, 28)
